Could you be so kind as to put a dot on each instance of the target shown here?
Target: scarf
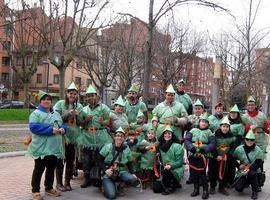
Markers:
(253, 113)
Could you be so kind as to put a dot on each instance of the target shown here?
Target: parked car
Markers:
(11, 104)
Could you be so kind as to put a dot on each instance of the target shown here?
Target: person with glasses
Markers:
(115, 162)
(133, 105)
(71, 112)
(94, 136)
(169, 112)
(250, 157)
(47, 145)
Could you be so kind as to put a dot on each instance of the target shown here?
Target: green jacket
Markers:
(174, 156)
(94, 135)
(164, 112)
(44, 142)
(184, 99)
(147, 156)
(214, 123)
(240, 155)
(119, 120)
(140, 131)
(237, 129)
(132, 110)
(73, 130)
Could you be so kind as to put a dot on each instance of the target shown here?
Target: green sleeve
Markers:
(105, 151)
(57, 107)
(179, 153)
(143, 107)
(33, 117)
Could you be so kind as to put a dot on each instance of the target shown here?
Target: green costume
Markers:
(108, 153)
(132, 110)
(73, 130)
(184, 99)
(194, 120)
(147, 158)
(163, 114)
(95, 135)
(45, 145)
(119, 119)
(214, 123)
(140, 131)
(174, 156)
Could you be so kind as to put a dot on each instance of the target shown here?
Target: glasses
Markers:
(252, 140)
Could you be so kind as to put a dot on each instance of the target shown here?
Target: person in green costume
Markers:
(115, 162)
(147, 147)
(183, 97)
(117, 116)
(200, 142)
(250, 157)
(94, 135)
(132, 143)
(170, 112)
(133, 105)
(71, 112)
(222, 162)
(47, 145)
(140, 127)
(171, 154)
(216, 117)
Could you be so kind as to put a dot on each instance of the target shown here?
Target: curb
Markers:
(12, 154)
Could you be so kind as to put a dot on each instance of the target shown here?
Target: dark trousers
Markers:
(49, 162)
(214, 173)
(251, 179)
(198, 176)
(168, 181)
(69, 160)
(89, 160)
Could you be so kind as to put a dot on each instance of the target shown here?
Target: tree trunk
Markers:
(148, 63)
(62, 72)
(26, 94)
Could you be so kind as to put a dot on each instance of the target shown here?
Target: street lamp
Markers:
(217, 75)
(47, 77)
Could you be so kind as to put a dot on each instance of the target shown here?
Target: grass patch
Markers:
(14, 115)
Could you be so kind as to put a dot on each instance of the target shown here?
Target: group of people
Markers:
(121, 147)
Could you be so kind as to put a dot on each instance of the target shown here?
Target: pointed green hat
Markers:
(72, 86)
(168, 128)
(150, 127)
(140, 114)
(225, 120)
(250, 135)
(170, 89)
(133, 88)
(120, 129)
(41, 94)
(181, 81)
(204, 117)
(251, 99)
(91, 90)
(235, 109)
(120, 101)
(198, 103)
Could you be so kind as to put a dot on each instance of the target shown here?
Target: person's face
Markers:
(225, 128)
(91, 98)
(203, 124)
(72, 96)
(119, 109)
(132, 137)
(181, 87)
(46, 103)
(151, 135)
(167, 135)
(118, 138)
(233, 115)
(249, 142)
(132, 95)
(198, 110)
(251, 106)
(219, 110)
(139, 120)
(170, 97)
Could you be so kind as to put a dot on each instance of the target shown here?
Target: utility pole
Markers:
(217, 75)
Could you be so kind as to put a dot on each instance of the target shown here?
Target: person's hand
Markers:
(101, 120)
(219, 158)
(109, 172)
(73, 112)
(134, 176)
(174, 119)
(246, 171)
(242, 166)
(155, 123)
(55, 130)
(62, 131)
(148, 147)
(168, 166)
(131, 126)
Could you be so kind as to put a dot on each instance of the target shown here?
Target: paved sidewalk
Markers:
(15, 178)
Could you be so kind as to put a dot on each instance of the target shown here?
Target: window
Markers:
(18, 60)
(114, 84)
(5, 76)
(6, 45)
(88, 82)
(5, 61)
(56, 79)
(39, 78)
(29, 60)
(78, 81)
(79, 65)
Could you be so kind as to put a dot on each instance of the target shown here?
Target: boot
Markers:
(223, 191)
(205, 194)
(86, 181)
(196, 190)
(212, 190)
(254, 195)
(68, 177)
(59, 183)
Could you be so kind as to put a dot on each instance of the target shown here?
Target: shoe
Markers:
(75, 173)
(205, 194)
(223, 191)
(53, 193)
(254, 195)
(60, 188)
(259, 189)
(120, 190)
(189, 181)
(85, 183)
(36, 196)
(212, 190)
(68, 187)
(196, 191)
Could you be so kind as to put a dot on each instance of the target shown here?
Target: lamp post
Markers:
(216, 77)
(47, 76)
